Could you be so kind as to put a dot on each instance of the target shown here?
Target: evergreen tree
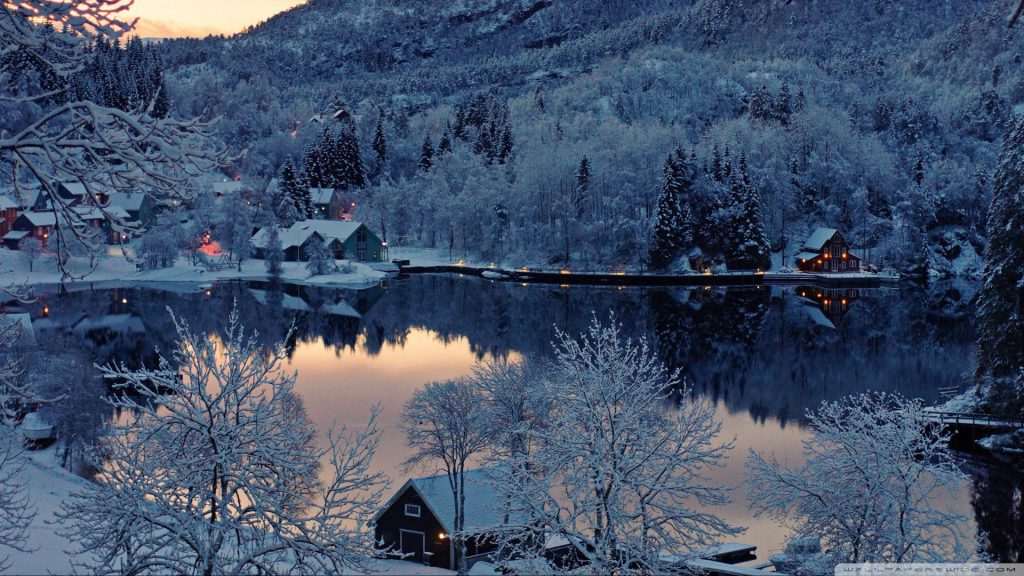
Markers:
(760, 105)
(919, 169)
(274, 253)
(380, 145)
(505, 148)
(582, 187)
(320, 260)
(716, 164)
(296, 190)
(668, 241)
(783, 106)
(1000, 311)
(426, 156)
(445, 145)
(748, 244)
(353, 173)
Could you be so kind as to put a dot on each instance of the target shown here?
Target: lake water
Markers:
(765, 355)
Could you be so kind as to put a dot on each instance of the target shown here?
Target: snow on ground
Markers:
(49, 485)
(14, 270)
(966, 403)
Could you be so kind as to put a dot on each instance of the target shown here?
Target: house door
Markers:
(412, 544)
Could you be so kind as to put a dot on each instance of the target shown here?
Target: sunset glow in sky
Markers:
(175, 18)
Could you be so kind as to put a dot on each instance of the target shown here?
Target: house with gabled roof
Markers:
(417, 522)
(826, 251)
(346, 240)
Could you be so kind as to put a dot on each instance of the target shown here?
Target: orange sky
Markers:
(175, 18)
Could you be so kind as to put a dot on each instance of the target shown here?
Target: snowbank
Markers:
(15, 271)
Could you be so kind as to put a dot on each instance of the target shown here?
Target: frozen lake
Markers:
(765, 355)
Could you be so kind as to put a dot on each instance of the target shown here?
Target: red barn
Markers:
(827, 251)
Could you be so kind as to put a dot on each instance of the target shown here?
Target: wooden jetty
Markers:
(969, 427)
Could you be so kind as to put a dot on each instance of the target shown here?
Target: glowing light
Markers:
(442, 536)
(524, 269)
(46, 310)
(492, 266)
(124, 300)
(565, 271)
(460, 263)
(619, 273)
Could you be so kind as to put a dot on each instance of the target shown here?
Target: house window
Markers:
(412, 510)
(361, 235)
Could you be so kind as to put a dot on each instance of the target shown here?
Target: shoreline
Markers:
(739, 278)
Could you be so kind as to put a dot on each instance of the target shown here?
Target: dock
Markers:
(972, 426)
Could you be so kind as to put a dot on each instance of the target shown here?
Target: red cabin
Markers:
(827, 251)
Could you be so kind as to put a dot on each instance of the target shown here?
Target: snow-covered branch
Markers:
(218, 470)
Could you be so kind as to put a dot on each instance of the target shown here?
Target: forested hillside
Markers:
(544, 130)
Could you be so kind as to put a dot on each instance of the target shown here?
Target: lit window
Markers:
(412, 510)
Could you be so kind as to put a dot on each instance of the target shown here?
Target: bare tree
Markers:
(218, 471)
(618, 470)
(444, 422)
(875, 472)
(103, 149)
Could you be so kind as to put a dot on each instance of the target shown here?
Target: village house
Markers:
(327, 203)
(8, 214)
(416, 523)
(137, 206)
(345, 241)
(827, 251)
(38, 225)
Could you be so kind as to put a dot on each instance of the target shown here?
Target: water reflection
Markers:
(764, 354)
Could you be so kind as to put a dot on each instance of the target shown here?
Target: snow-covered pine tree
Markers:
(505, 146)
(1000, 308)
(380, 146)
(761, 106)
(273, 253)
(668, 241)
(426, 155)
(444, 146)
(352, 170)
(784, 105)
(748, 247)
(582, 187)
(292, 187)
(320, 260)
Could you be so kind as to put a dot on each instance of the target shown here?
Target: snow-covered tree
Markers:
(618, 470)
(218, 470)
(426, 155)
(32, 249)
(273, 253)
(581, 192)
(292, 205)
(380, 146)
(1001, 300)
(444, 425)
(669, 223)
(16, 510)
(59, 138)
(748, 247)
(158, 249)
(873, 484)
(319, 261)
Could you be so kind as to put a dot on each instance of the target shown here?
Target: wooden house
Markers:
(346, 240)
(39, 225)
(827, 251)
(137, 206)
(416, 523)
(8, 214)
(827, 307)
(327, 203)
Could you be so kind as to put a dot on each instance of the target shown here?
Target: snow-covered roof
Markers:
(806, 255)
(321, 195)
(6, 203)
(288, 302)
(227, 186)
(820, 236)
(75, 188)
(273, 185)
(19, 328)
(483, 509)
(130, 201)
(298, 233)
(16, 234)
(40, 218)
(114, 322)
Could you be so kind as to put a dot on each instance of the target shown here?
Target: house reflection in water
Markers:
(827, 306)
